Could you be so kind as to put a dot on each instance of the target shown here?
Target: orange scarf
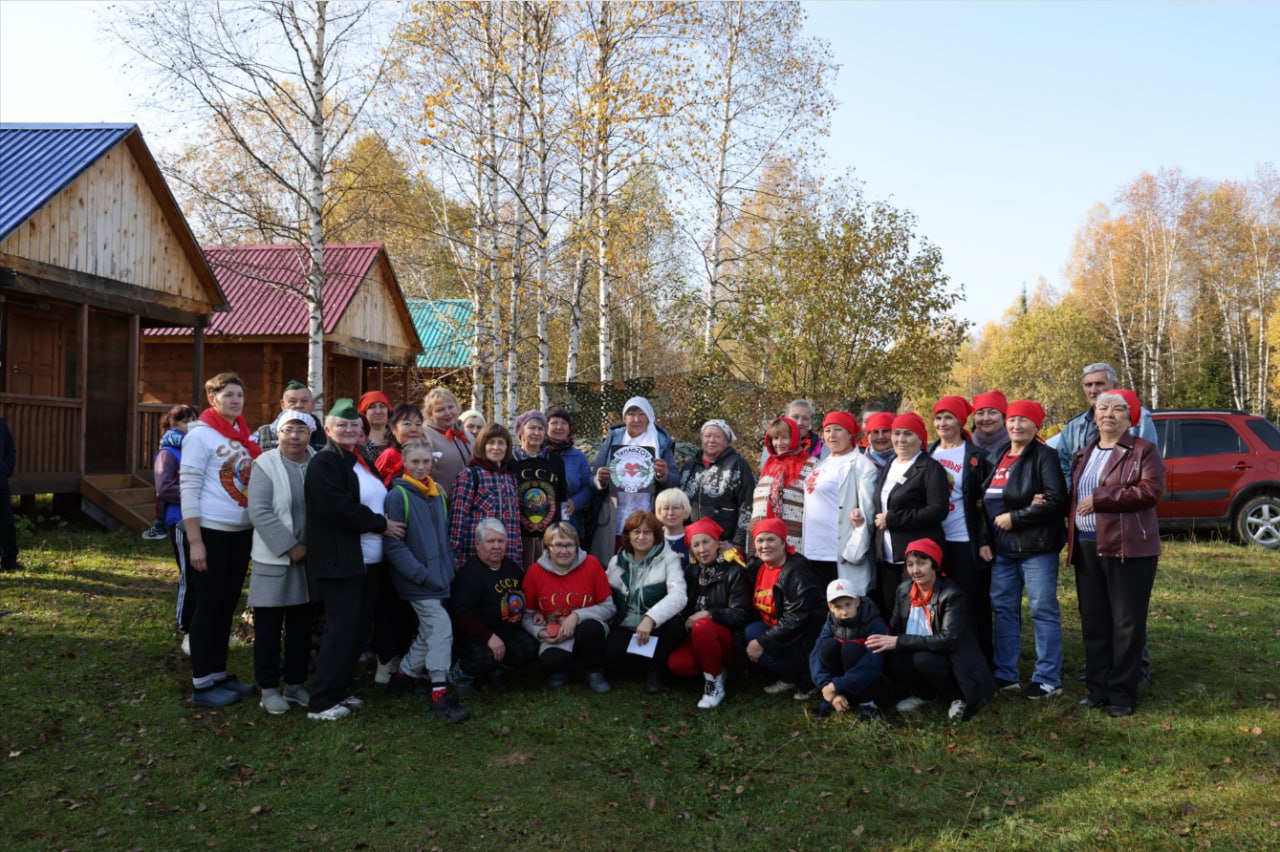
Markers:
(921, 599)
(426, 489)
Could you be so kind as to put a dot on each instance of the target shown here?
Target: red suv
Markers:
(1224, 471)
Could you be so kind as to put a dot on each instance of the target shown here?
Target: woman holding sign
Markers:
(637, 459)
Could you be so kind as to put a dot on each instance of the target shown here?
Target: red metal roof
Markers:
(261, 281)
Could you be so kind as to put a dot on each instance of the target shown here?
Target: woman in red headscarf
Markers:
(376, 408)
(779, 492)
(911, 501)
(968, 539)
(788, 598)
(718, 607)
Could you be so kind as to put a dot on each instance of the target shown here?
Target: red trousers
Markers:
(708, 650)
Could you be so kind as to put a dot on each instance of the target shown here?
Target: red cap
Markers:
(1027, 408)
(880, 420)
(1135, 408)
(991, 399)
(844, 420)
(929, 548)
(958, 406)
(370, 398)
(705, 526)
(911, 420)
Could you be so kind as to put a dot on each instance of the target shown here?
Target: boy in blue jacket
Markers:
(422, 572)
(847, 673)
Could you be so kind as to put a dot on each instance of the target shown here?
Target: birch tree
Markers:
(283, 82)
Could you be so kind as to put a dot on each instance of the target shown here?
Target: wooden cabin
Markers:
(94, 251)
(263, 337)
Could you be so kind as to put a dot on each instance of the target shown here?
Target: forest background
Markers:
(633, 198)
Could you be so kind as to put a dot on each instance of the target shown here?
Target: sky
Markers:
(999, 125)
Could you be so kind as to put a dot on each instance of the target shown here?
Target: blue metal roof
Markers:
(37, 161)
(445, 327)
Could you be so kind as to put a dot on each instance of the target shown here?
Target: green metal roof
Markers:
(445, 327)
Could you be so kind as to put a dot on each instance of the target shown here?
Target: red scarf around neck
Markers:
(454, 434)
(239, 431)
(921, 599)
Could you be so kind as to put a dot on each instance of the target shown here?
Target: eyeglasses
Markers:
(569, 546)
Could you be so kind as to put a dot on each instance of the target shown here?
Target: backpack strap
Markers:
(404, 495)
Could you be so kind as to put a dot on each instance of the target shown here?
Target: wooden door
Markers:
(33, 356)
(108, 394)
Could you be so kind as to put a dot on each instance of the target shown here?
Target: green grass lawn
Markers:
(103, 749)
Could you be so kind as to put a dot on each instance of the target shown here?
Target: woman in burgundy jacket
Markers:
(1114, 543)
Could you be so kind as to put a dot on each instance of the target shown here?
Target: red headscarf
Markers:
(1135, 408)
(367, 401)
(1027, 408)
(844, 420)
(917, 596)
(705, 526)
(958, 407)
(914, 422)
(784, 468)
(991, 399)
(879, 420)
(777, 526)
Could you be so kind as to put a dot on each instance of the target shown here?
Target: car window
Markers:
(1267, 431)
(1206, 438)
(1162, 430)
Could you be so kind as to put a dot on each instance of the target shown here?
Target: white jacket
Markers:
(857, 564)
(667, 569)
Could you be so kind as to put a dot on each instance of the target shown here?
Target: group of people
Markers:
(864, 564)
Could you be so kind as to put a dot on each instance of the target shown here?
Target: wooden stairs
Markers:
(120, 497)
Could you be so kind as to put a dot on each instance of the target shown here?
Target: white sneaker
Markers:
(273, 702)
(382, 675)
(779, 688)
(186, 644)
(712, 692)
(352, 702)
(910, 704)
(804, 694)
(957, 709)
(333, 714)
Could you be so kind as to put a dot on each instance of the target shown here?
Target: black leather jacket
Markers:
(798, 598)
(1036, 529)
(727, 597)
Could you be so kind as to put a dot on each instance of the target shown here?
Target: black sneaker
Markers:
(868, 712)
(1003, 685)
(449, 709)
(402, 684)
(1037, 691)
(233, 684)
(1091, 703)
(821, 710)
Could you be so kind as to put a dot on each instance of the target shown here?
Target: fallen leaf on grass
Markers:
(515, 758)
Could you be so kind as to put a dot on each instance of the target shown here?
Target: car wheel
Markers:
(1258, 521)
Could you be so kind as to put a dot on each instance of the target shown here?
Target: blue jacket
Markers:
(577, 474)
(1081, 431)
(858, 679)
(421, 563)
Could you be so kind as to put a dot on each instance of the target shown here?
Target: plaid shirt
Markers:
(478, 494)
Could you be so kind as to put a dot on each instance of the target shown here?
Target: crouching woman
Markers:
(932, 650)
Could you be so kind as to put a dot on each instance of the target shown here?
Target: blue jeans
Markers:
(1039, 574)
(780, 665)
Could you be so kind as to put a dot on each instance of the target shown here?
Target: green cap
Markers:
(293, 385)
(345, 409)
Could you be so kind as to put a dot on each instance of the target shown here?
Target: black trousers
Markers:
(588, 649)
(186, 585)
(924, 674)
(669, 637)
(824, 571)
(268, 623)
(889, 575)
(217, 591)
(394, 624)
(348, 611)
(8, 532)
(973, 576)
(1114, 596)
(477, 660)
